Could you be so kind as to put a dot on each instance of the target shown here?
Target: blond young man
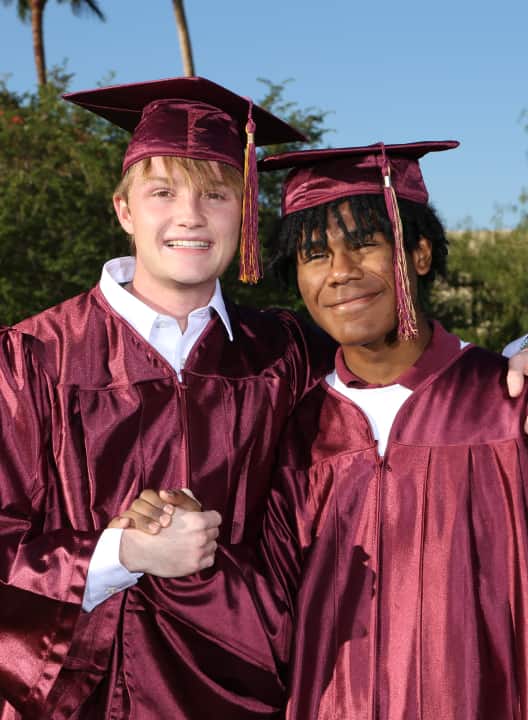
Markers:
(153, 380)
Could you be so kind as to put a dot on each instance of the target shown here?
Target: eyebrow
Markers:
(156, 178)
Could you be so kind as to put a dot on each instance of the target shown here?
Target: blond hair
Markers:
(200, 173)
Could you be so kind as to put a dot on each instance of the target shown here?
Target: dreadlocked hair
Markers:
(304, 228)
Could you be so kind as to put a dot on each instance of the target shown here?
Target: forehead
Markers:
(344, 212)
(326, 220)
(177, 169)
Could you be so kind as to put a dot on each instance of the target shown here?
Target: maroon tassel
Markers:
(407, 327)
(250, 261)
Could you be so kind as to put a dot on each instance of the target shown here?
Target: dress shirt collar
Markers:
(120, 271)
(441, 348)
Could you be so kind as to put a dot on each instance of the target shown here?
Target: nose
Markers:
(188, 210)
(345, 266)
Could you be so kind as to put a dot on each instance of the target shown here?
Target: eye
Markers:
(313, 255)
(163, 193)
(362, 243)
(215, 194)
(366, 245)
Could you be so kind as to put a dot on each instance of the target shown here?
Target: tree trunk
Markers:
(184, 37)
(37, 8)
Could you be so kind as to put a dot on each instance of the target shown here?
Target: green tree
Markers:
(485, 297)
(58, 168)
(33, 11)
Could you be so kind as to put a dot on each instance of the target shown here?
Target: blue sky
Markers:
(392, 71)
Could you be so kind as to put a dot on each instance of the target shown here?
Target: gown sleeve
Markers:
(43, 563)
(310, 355)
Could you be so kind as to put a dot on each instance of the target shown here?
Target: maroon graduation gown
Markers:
(42, 573)
(411, 571)
(117, 421)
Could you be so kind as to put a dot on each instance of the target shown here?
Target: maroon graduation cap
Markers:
(321, 176)
(195, 118)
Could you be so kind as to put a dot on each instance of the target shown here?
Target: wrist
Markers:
(130, 551)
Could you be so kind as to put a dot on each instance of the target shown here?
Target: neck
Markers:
(381, 362)
(175, 300)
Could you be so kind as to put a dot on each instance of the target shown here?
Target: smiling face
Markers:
(348, 288)
(185, 233)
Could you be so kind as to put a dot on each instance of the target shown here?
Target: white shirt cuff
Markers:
(106, 575)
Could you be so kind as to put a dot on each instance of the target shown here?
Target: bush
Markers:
(58, 168)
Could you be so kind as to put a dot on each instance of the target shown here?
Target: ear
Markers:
(122, 211)
(422, 256)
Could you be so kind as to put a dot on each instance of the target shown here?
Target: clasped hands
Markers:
(167, 535)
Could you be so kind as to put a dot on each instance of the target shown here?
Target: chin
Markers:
(368, 336)
(353, 334)
(180, 279)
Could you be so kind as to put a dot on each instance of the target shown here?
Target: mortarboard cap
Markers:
(321, 176)
(195, 118)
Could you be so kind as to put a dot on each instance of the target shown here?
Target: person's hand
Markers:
(167, 535)
(187, 545)
(517, 370)
(152, 510)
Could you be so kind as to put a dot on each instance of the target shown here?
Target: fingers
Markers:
(210, 535)
(518, 369)
(152, 498)
(515, 382)
(159, 513)
(138, 521)
(121, 523)
(182, 498)
(152, 511)
(197, 521)
(206, 557)
(206, 562)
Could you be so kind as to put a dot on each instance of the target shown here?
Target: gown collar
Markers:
(441, 348)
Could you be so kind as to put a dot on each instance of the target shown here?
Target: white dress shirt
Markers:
(515, 346)
(106, 575)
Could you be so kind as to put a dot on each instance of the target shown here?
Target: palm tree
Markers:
(184, 37)
(33, 10)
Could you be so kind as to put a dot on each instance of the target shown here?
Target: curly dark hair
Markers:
(370, 216)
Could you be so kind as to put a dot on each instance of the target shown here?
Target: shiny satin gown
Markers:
(91, 416)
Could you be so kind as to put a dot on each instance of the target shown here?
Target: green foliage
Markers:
(78, 7)
(58, 168)
(485, 298)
